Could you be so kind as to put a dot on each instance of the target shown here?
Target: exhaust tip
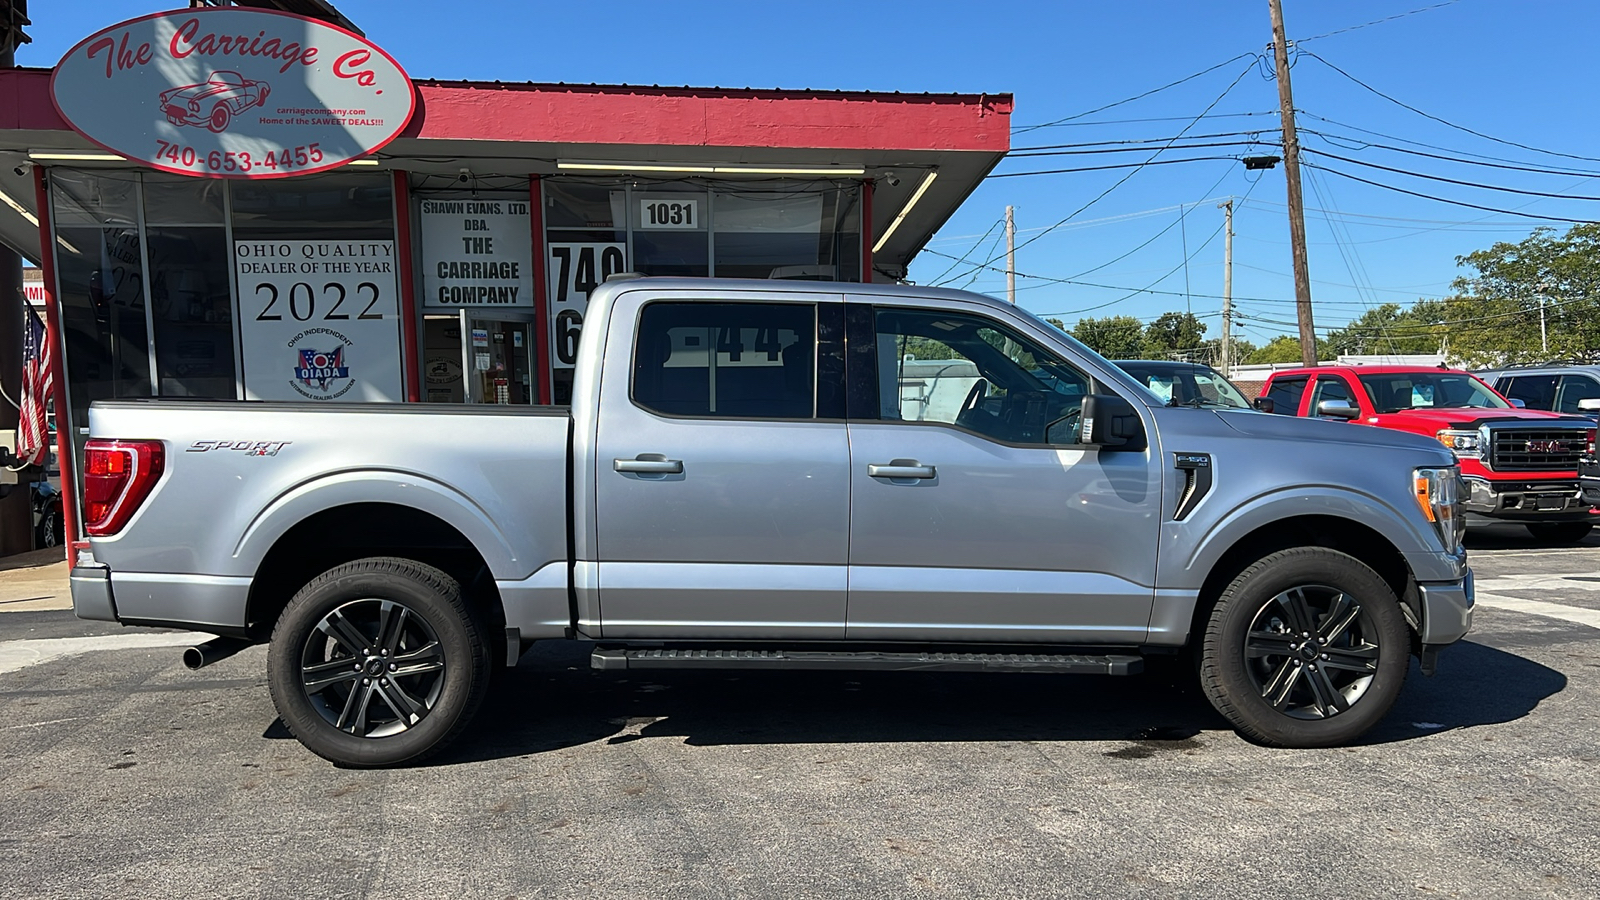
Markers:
(194, 657)
(202, 655)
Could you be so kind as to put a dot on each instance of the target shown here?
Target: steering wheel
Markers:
(979, 388)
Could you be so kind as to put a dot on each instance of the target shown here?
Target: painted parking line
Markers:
(1542, 581)
(16, 655)
(1574, 614)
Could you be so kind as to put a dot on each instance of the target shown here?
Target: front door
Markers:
(499, 356)
(721, 494)
(975, 512)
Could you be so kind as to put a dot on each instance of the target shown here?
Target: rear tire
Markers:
(378, 662)
(1560, 532)
(1306, 648)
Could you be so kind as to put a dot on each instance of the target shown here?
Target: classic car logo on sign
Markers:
(1547, 446)
(232, 93)
(215, 101)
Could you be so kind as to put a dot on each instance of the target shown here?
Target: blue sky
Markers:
(1521, 71)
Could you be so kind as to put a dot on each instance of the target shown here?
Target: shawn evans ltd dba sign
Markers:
(232, 93)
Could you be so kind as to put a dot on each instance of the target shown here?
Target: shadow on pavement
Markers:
(1517, 537)
(553, 700)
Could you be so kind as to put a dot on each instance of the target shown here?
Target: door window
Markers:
(1575, 388)
(727, 360)
(1330, 387)
(1537, 391)
(1286, 394)
(977, 375)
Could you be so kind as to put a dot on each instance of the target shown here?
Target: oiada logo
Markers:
(321, 367)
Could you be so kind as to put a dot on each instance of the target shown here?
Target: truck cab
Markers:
(1518, 465)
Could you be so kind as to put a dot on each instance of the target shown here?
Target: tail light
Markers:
(117, 477)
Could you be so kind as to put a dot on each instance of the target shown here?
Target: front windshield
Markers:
(1429, 390)
(1186, 385)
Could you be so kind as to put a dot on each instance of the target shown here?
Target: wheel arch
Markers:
(341, 534)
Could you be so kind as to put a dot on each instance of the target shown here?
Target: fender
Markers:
(1407, 533)
(394, 486)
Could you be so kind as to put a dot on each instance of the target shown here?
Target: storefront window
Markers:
(190, 297)
(100, 285)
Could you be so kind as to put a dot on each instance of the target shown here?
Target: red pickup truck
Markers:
(1518, 465)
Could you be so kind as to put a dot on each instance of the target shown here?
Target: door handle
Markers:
(649, 466)
(900, 468)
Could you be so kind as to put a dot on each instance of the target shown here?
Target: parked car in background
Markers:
(1185, 383)
(1518, 465)
(1573, 389)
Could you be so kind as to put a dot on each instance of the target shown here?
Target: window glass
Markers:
(669, 230)
(192, 308)
(1286, 394)
(1575, 388)
(726, 360)
(181, 200)
(975, 374)
(1330, 387)
(1537, 391)
(787, 229)
(1440, 389)
(337, 207)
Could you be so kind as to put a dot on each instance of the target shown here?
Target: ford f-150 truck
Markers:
(1519, 465)
(817, 476)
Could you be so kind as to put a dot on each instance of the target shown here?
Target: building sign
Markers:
(232, 93)
(319, 320)
(575, 270)
(476, 252)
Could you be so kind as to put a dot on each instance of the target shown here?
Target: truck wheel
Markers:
(377, 662)
(1306, 648)
(1560, 532)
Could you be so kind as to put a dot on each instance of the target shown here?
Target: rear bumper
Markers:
(1446, 611)
(91, 593)
(1547, 500)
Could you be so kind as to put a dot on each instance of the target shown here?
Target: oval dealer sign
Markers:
(233, 93)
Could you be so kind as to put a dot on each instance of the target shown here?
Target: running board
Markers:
(1059, 663)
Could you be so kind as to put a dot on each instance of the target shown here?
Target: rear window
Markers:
(727, 360)
(1286, 393)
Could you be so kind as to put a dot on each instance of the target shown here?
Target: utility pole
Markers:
(1227, 288)
(1291, 175)
(1544, 339)
(1011, 257)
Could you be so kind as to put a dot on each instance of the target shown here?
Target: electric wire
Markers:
(981, 238)
(1173, 84)
(1401, 190)
(1473, 184)
(1135, 166)
(1328, 34)
(1363, 145)
(1416, 143)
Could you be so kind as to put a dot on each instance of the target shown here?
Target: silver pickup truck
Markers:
(803, 476)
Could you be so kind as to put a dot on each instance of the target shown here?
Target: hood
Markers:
(1294, 428)
(1435, 419)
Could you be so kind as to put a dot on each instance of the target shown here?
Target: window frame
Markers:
(862, 370)
(826, 356)
(1300, 398)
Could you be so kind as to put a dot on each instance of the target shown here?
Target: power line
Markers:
(1087, 152)
(1136, 166)
(1152, 239)
(1473, 184)
(1493, 209)
(1318, 37)
(1445, 122)
(1416, 143)
(1235, 115)
(1363, 145)
(979, 243)
(1150, 161)
(1148, 93)
(1154, 140)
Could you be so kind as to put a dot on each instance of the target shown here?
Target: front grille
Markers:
(1536, 449)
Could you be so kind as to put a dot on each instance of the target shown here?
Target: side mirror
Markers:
(1519, 404)
(1110, 422)
(1338, 409)
(1590, 405)
(1264, 404)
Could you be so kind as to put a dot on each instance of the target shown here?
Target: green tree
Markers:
(1390, 328)
(1494, 317)
(1173, 334)
(1286, 349)
(1114, 337)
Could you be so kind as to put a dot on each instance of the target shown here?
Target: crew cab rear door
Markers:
(721, 472)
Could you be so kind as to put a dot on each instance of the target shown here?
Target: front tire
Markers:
(1306, 648)
(1560, 532)
(377, 662)
(220, 118)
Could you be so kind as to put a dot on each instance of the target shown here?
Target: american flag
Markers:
(38, 382)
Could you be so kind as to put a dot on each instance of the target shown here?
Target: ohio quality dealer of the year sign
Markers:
(232, 93)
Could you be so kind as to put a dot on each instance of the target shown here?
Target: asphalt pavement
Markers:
(126, 775)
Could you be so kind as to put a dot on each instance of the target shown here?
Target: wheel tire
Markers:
(220, 118)
(438, 644)
(49, 532)
(1257, 614)
(1560, 532)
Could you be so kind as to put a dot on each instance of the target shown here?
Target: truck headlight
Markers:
(1465, 443)
(1438, 493)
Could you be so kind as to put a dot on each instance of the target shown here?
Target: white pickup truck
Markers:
(760, 475)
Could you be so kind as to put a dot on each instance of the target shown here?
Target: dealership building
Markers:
(243, 204)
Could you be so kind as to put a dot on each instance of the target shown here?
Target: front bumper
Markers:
(1446, 611)
(1589, 482)
(1524, 501)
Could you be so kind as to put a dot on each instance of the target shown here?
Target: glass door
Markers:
(498, 360)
